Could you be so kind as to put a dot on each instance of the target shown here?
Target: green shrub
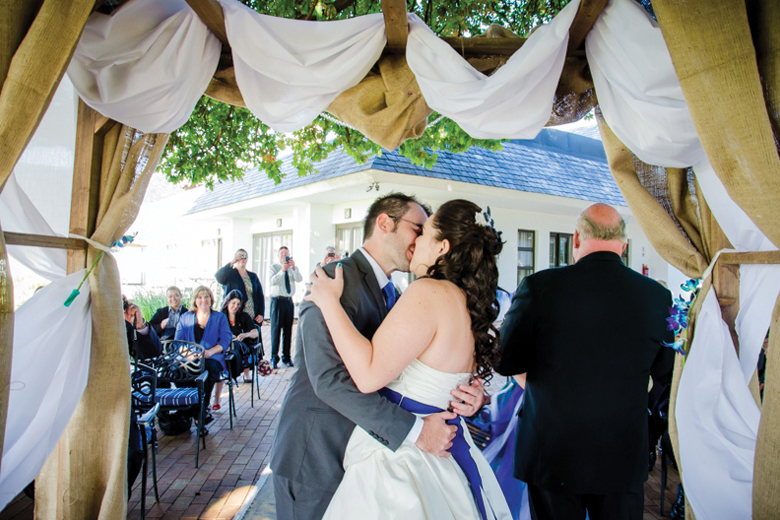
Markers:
(149, 301)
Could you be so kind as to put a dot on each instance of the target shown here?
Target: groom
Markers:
(322, 405)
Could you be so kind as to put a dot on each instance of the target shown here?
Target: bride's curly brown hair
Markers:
(471, 264)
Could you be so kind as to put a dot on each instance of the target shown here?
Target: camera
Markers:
(287, 258)
(242, 256)
(331, 255)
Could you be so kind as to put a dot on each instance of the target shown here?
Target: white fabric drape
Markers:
(51, 348)
(289, 71)
(146, 65)
(717, 417)
(18, 214)
(48, 376)
(515, 102)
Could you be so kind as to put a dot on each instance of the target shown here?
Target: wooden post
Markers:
(725, 281)
(90, 128)
(396, 25)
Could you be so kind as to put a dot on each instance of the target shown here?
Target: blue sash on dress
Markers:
(460, 448)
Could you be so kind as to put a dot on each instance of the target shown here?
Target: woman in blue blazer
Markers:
(208, 328)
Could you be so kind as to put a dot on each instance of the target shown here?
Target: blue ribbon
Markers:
(460, 448)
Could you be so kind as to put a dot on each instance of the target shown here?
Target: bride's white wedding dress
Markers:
(410, 484)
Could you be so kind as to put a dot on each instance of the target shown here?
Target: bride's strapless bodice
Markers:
(427, 385)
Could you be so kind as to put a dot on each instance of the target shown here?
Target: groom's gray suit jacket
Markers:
(322, 404)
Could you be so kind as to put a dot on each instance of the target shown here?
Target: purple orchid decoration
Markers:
(678, 315)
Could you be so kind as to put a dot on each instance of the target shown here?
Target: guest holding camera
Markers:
(165, 319)
(235, 277)
(330, 256)
(283, 278)
(142, 340)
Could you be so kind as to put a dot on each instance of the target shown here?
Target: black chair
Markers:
(182, 364)
(144, 385)
(258, 353)
(232, 358)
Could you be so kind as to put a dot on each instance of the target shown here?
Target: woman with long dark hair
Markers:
(244, 332)
(439, 334)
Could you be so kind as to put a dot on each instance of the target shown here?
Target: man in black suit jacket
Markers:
(323, 405)
(165, 319)
(589, 337)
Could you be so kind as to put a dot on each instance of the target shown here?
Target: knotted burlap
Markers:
(35, 48)
(86, 475)
(387, 107)
(725, 64)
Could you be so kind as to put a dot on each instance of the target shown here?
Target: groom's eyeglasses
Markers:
(418, 228)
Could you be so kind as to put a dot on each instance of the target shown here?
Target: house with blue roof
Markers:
(535, 189)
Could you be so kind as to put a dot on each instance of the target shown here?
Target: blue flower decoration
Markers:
(678, 315)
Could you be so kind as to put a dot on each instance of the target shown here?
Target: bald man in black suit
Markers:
(589, 337)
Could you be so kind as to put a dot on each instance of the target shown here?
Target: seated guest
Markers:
(244, 331)
(142, 340)
(165, 319)
(208, 328)
(235, 277)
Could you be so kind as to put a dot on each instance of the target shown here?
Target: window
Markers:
(349, 237)
(525, 254)
(560, 249)
(265, 252)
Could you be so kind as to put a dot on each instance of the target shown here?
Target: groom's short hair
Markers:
(394, 204)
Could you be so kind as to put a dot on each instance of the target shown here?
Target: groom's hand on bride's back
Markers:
(436, 435)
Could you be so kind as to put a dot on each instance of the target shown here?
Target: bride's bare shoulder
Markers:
(429, 288)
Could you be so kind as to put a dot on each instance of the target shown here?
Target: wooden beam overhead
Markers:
(587, 15)
(396, 25)
(26, 239)
(210, 12)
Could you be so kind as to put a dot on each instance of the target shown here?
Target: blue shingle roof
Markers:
(554, 163)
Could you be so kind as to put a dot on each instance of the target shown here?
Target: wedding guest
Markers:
(142, 340)
(588, 336)
(234, 276)
(208, 328)
(165, 319)
(283, 278)
(330, 256)
(244, 332)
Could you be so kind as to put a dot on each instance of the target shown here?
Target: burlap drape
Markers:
(728, 63)
(676, 221)
(86, 476)
(37, 39)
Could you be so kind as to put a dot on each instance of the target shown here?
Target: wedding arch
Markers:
(688, 111)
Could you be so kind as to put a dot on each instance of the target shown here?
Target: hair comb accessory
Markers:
(483, 218)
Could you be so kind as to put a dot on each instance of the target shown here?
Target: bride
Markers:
(437, 336)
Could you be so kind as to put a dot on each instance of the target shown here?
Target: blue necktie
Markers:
(287, 283)
(390, 297)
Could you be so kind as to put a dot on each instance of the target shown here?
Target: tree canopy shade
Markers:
(220, 141)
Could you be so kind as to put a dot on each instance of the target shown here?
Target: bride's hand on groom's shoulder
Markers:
(324, 290)
(436, 435)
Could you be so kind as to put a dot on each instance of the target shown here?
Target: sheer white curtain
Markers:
(51, 341)
(146, 65)
(515, 102)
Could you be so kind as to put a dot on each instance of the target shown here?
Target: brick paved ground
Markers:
(234, 461)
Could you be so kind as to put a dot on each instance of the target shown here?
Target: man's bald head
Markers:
(599, 228)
